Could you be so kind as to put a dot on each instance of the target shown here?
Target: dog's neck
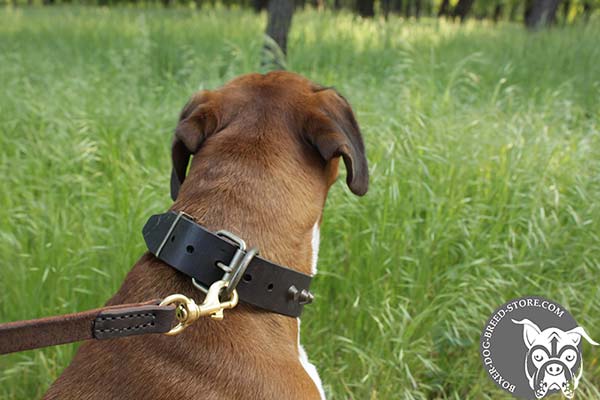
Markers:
(278, 239)
(263, 203)
(260, 203)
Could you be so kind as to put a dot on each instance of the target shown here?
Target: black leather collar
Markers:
(193, 250)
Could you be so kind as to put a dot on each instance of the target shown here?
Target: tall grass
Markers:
(483, 143)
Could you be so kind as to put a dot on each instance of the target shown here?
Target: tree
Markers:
(391, 6)
(539, 13)
(319, 4)
(385, 7)
(365, 8)
(259, 5)
(418, 7)
(462, 9)
(444, 8)
(396, 6)
(566, 8)
(587, 10)
(497, 12)
(279, 22)
(514, 11)
(413, 4)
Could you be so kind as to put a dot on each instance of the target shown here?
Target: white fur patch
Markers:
(316, 239)
(310, 369)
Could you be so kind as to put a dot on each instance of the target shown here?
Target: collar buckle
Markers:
(236, 268)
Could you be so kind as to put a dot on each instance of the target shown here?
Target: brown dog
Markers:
(266, 153)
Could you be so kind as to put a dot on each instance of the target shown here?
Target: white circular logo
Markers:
(531, 348)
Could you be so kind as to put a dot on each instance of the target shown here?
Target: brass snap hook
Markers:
(212, 304)
(188, 311)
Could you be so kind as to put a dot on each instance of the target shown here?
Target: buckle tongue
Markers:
(237, 266)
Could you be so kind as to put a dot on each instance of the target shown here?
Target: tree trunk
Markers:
(497, 12)
(528, 8)
(587, 10)
(462, 9)
(259, 5)
(566, 8)
(280, 20)
(365, 8)
(541, 13)
(318, 4)
(512, 15)
(418, 9)
(337, 4)
(386, 6)
(428, 8)
(396, 6)
(443, 12)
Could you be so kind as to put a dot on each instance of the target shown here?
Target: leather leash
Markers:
(115, 321)
(188, 247)
(101, 323)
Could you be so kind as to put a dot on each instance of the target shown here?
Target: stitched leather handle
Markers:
(101, 323)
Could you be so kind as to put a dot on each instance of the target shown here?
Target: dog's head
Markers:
(278, 121)
(553, 361)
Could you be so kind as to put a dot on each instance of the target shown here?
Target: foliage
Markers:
(483, 144)
(513, 10)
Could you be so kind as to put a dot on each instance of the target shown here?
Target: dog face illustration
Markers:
(553, 361)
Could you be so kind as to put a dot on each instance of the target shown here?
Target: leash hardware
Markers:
(233, 272)
(189, 312)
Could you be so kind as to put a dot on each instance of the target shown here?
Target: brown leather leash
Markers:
(114, 321)
(176, 239)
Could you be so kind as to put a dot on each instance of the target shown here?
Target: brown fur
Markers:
(260, 172)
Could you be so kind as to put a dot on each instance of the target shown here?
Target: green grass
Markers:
(483, 143)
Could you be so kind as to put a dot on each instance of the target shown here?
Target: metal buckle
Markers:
(237, 266)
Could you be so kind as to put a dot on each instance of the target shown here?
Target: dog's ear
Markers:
(530, 331)
(576, 334)
(198, 120)
(333, 130)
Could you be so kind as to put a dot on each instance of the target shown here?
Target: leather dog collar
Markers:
(202, 255)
